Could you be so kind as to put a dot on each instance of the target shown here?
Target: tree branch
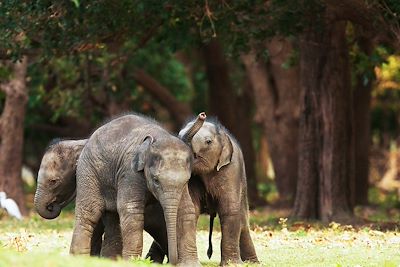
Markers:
(178, 110)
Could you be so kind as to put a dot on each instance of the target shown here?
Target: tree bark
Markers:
(362, 125)
(233, 111)
(326, 156)
(12, 138)
(277, 98)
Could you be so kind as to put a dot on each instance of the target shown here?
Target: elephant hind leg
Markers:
(112, 244)
(156, 253)
(97, 239)
(247, 250)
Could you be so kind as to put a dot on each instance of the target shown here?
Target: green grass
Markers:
(36, 242)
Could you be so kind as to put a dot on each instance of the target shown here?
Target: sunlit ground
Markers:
(37, 242)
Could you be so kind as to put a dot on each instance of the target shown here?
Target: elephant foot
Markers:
(252, 260)
(189, 263)
(231, 262)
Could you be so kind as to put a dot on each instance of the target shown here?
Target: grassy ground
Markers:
(36, 242)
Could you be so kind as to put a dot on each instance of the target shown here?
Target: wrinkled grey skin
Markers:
(56, 183)
(218, 161)
(56, 188)
(124, 164)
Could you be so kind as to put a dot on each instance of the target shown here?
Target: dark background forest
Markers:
(310, 89)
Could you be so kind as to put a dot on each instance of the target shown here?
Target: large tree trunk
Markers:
(277, 98)
(362, 124)
(233, 111)
(12, 135)
(325, 147)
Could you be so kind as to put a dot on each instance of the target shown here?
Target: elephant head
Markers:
(56, 182)
(166, 164)
(212, 146)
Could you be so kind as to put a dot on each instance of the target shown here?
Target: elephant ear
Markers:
(140, 159)
(226, 152)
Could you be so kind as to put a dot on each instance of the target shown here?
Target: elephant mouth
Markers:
(67, 201)
(55, 205)
(200, 164)
(199, 160)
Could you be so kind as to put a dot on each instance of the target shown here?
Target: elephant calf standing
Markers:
(218, 163)
(122, 165)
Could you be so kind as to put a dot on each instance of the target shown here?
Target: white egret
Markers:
(10, 206)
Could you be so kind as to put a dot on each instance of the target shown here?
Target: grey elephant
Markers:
(56, 187)
(124, 164)
(219, 165)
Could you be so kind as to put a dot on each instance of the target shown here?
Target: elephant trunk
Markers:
(187, 137)
(170, 214)
(45, 207)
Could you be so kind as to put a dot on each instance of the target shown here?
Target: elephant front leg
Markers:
(130, 207)
(186, 230)
(132, 224)
(230, 228)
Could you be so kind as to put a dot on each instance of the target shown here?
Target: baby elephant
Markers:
(123, 164)
(56, 187)
(218, 161)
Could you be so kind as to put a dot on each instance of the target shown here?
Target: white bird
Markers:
(10, 206)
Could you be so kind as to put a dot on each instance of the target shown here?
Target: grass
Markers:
(37, 242)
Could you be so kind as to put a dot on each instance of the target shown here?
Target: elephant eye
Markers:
(208, 142)
(156, 181)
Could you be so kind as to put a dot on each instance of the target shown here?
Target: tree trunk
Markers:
(326, 145)
(362, 124)
(12, 137)
(277, 98)
(233, 111)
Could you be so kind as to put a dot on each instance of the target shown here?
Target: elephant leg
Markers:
(154, 224)
(97, 239)
(88, 211)
(156, 253)
(247, 250)
(112, 243)
(130, 206)
(230, 228)
(186, 231)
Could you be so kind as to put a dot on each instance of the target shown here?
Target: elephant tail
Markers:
(210, 248)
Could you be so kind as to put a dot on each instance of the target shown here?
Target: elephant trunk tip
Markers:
(202, 116)
(187, 137)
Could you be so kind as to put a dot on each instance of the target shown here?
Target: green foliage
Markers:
(162, 64)
(76, 26)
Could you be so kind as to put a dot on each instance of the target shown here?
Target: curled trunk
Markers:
(47, 207)
(44, 206)
(187, 137)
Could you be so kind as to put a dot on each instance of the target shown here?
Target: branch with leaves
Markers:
(179, 111)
